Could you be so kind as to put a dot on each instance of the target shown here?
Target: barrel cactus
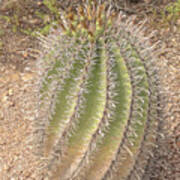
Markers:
(99, 98)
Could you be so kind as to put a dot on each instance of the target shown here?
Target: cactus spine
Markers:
(98, 97)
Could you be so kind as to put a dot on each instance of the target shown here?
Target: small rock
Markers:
(27, 77)
(5, 98)
(4, 80)
(10, 92)
(15, 77)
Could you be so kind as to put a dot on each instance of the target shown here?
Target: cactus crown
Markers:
(99, 100)
(89, 19)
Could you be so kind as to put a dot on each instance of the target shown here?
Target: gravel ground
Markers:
(17, 104)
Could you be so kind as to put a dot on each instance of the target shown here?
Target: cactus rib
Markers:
(103, 123)
(93, 119)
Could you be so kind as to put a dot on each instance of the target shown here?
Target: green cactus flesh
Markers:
(99, 104)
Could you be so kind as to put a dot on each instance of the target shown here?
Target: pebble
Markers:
(27, 77)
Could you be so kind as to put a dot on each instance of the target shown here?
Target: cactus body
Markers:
(98, 98)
